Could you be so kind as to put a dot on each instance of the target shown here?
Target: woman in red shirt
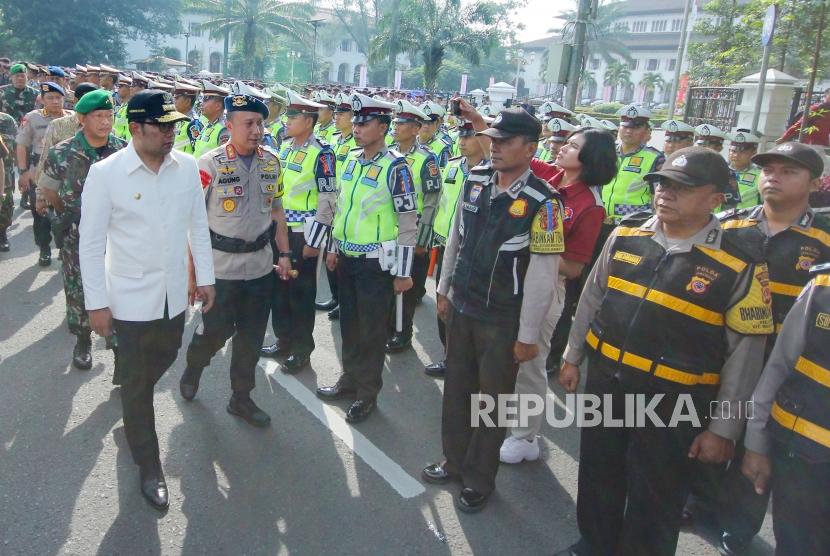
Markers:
(587, 161)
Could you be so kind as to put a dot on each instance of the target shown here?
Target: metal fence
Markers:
(713, 105)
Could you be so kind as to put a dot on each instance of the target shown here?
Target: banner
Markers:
(364, 73)
(398, 78)
(463, 89)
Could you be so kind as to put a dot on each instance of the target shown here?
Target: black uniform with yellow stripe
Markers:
(647, 289)
(789, 254)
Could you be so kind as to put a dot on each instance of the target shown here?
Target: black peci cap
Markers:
(153, 106)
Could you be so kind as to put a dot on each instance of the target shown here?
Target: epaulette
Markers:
(732, 214)
(459, 157)
(636, 218)
(483, 167)
(823, 268)
(270, 150)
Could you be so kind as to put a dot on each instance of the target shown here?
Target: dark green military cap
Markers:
(98, 99)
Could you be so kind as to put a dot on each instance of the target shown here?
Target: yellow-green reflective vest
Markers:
(342, 148)
(453, 177)
(628, 192)
(209, 139)
(120, 127)
(365, 209)
(416, 159)
(748, 186)
(326, 133)
(299, 183)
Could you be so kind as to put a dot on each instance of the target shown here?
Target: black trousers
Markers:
(741, 510)
(41, 227)
(633, 482)
(239, 312)
(479, 359)
(365, 294)
(145, 352)
(420, 268)
(559, 341)
(293, 301)
(332, 277)
(800, 504)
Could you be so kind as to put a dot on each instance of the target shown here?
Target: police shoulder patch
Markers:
(546, 231)
(752, 315)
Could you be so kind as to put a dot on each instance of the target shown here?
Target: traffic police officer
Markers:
(679, 135)
(628, 192)
(427, 179)
(64, 172)
(214, 132)
(452, 177)
(430, 135)
(373, 245)
(242, 194)
(788, 438)
(309, 196)
(552, 111)
(501, 259)
(709, 136)
(795, 239)
(559, 131)
(30, 136)
(676, 309)
(742, 147)
(276, 119)
(325, 128)
(185, 96)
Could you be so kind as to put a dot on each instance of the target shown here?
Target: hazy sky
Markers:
(538, 17)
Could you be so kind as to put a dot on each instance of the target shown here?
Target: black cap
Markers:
(696, 167)
(83, 89)
(799, 153)
(512, 122)
(245, 103)
(152, 105)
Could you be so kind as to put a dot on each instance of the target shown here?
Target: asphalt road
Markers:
(309, 484)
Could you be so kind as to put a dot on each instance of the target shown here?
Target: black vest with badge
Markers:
(662, 321)
(800, 416)
(496, 240)
(789, 254)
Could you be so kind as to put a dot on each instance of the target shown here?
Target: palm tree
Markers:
(650, 82)
(604, 36)
(429, 29)
(253, 24)
(617, 74)
(587, 81)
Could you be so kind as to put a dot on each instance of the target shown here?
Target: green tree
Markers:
(252, 25)
(650, 82)
(617, 74)
(605, 35)
(429, 29)
(85, 31)
(586, 81)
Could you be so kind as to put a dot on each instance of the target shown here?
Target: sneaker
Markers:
(516, 450)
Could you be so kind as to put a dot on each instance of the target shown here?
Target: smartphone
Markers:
(456, 107)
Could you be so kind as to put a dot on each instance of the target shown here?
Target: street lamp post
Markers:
(314, 23)
(186, 48)
(519, 55)
(292, 55)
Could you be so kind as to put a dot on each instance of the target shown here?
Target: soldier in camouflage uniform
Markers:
(8, 131)
(17, 99)
(64, 173)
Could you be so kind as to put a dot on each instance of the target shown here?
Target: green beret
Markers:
(17, 68)
(98, 99)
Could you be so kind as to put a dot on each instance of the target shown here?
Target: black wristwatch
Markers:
(285, 255)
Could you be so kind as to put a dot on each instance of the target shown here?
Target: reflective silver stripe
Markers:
(515, 277)
(405, 257)
(516, 243)
(530, 192)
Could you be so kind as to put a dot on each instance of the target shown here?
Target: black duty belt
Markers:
(235, 245)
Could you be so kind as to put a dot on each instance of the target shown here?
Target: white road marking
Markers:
(392, 473)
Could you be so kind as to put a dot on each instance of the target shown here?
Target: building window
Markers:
(658, 26)
(342, 71)
(621, 27)
(634, 64)
(672, 64)
(652, 64)
(193, 29)
(676, 25)
(639, 27)
(346, 46)
(594, 63)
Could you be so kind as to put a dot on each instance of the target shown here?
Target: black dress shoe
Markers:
(732, 545)
(45, 258)
(4, 242)
(275, 350)
(189, 383)
(336, 392)
(360, 410)
(153, 486)
(334, 314)
(437, 474)
(294, 364)
(398, 343)
(327, 306)
(436, 369)
(470, 501)
(244, 406)
(81, 355)
(24, 202)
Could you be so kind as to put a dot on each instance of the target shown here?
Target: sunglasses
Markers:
(165, 127)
